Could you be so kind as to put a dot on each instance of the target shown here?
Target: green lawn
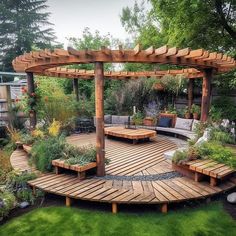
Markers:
(207, 220)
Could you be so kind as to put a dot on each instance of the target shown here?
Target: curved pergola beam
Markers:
(39, 61)
(63, 72)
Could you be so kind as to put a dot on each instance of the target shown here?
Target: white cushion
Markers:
(185, 124)
(195, 124)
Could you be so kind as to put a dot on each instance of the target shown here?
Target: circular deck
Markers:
(137, 174)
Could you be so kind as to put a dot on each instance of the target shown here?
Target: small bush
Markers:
(222, 136)
(138, 118)
(17, 184)
(7, 202)
(44, 151)
(217, 152)
(82, 156)
(180, 156)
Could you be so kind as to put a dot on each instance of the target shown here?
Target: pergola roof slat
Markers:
(195, 53)
(162, 50)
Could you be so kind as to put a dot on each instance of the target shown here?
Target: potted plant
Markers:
(196, 110)
(187, 113)
(148, 121)
(138, 118)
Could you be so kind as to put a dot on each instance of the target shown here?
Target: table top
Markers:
(130, 133)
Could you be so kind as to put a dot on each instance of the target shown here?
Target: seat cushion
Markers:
(165, 122)
(119, 119)
(107, 119)
(185, 124)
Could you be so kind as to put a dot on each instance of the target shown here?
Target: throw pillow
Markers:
(195, 124)
(185, 124)
(164, 122)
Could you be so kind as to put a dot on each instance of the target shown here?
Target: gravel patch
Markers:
(168, 175)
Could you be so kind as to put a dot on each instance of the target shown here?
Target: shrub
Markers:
(82, 156)
(138, 118)
(7, 202)
(217, 152)
(27, 138)
(5, 165)
(17, 184)
(223, 108)
(196, 109)
(44, 151)
(222, 136)
(180, 156)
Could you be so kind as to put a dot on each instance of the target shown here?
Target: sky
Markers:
(70, 17)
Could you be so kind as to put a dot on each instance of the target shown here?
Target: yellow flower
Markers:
(38, 133)
(54, 128)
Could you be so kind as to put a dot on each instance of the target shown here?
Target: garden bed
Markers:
(78, 168)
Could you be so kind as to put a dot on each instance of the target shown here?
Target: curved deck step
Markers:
(19, 161)
(129, 192)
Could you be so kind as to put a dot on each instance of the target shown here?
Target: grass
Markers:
(206, 220)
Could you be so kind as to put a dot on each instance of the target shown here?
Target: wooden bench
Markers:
(198, 169)
(60, 164)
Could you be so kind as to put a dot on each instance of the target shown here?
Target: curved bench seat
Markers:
(185, 133)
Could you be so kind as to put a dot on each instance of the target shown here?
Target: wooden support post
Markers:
(81, 175)
(164, 208)
(114, 207)
(190, 92)
(68, 201)
(34, 191)
(76, 89)
(206, 94)
(213, 181)
(31, 90)
(198, 177)
(99, 101)
(56, 170)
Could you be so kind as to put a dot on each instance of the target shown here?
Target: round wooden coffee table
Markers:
(132, 134)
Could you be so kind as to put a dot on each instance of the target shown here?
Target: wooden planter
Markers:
(148, 121)
(184, 170)
(80, 169)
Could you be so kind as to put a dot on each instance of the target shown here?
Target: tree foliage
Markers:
(187, 23)
(24, 25)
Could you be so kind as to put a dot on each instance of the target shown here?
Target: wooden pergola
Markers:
(198, 63)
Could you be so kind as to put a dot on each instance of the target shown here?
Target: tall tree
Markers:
(23, 25)
(210, 24)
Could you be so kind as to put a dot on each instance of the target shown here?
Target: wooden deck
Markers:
(129, 160)
(19, 161)
(132, 162)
